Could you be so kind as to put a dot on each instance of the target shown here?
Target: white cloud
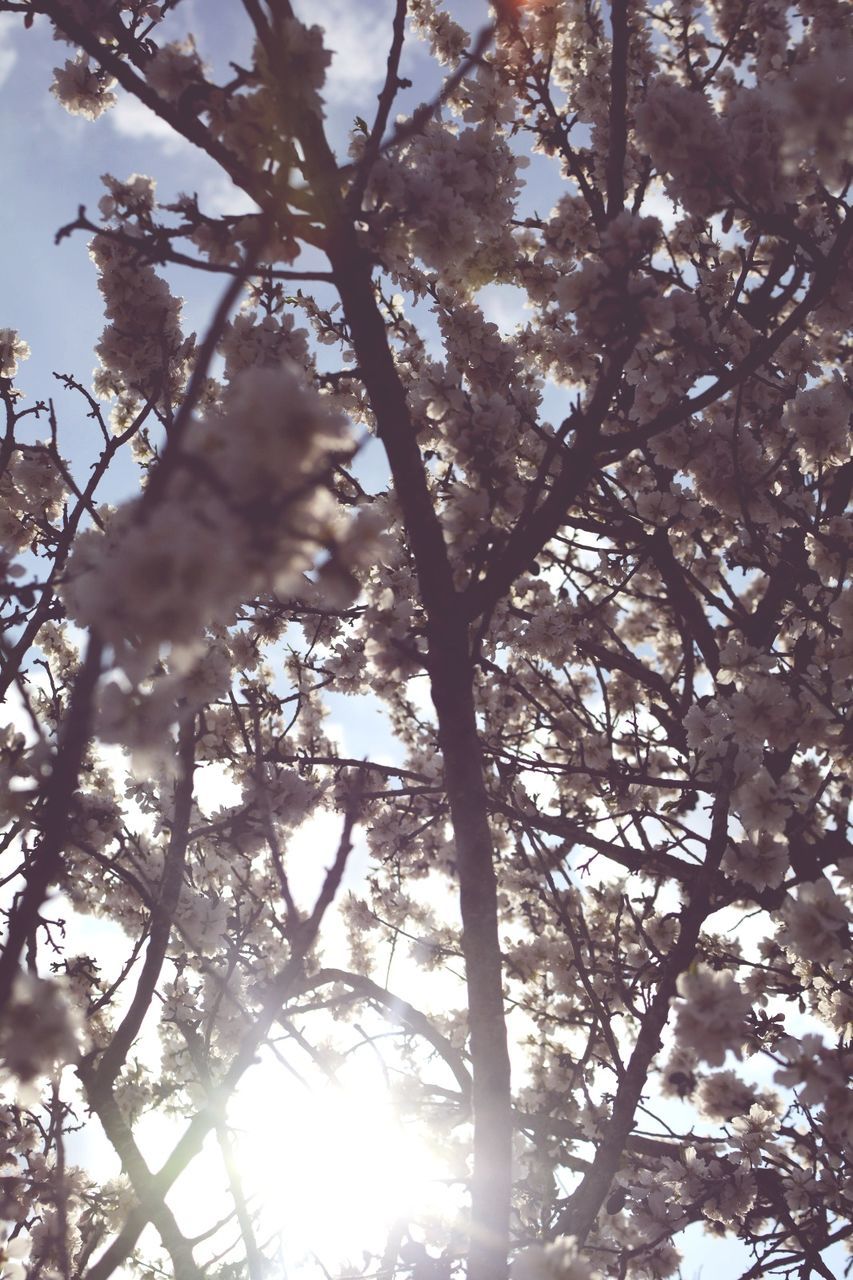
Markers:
(357, 35)
(657, 204)
(9, 22)
(504, 305)
(220, 195)
(132, 119)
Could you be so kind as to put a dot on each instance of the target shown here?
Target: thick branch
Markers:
(451, 676)
(618, 131)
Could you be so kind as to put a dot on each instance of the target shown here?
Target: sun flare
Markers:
(334, 1169)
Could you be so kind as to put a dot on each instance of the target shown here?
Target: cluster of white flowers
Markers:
(142, 350)
(13, 1253)
(447, 38)
(761, 860)
(821, 1076)
(711, 1014)
(301, 61)
(761, 804)
(722, 1095)
(82, 89)
(611, 293)
(31, 492)
(174, 68)
(460, 188)
(754, 1133)
(12, 349)
(714, 158)
(685, 139)
(257, 124)
(41, 1031)
(816, 924)
(249, 341)
(131, 198)
(820, 418)
(242, 509)
(558, 1260)
(815, 103)
(753, 143)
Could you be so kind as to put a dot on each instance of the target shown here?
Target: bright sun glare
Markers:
(335, 1167)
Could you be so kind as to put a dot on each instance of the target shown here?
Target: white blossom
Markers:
(242, 509)
(711, 1015)
(816, 922)
(558, 1260)
(819, 418)
(12, 349)
(41, 1029)
(760, 861)
(82, 89)
(13, 1255)
(175, 68)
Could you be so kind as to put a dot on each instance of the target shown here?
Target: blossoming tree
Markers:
(590, 566)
